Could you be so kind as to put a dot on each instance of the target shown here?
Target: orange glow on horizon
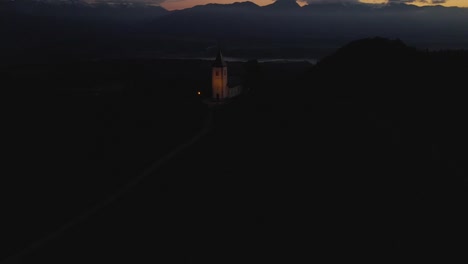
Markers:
(182, 4)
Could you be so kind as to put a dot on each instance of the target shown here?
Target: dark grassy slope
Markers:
(76, 132)
(403, 136)
(305, 167)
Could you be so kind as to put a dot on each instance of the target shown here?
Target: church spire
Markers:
(219, 62)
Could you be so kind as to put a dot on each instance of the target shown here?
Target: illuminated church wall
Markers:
(219, 80)
(219, 83)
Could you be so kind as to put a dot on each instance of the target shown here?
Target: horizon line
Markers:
(302, 4)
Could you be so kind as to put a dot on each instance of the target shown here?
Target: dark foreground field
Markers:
(77, 132)
(299, 169)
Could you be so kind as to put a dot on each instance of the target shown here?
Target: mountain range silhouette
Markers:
(83, 30)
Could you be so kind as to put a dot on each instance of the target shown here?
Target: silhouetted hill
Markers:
(415, 89)
(340, 7)
(237, 6)
(369, 60)
(282, 5)
(395, 112)
(382, 64)
(368, 53)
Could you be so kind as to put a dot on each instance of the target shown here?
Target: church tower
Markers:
(219, 78)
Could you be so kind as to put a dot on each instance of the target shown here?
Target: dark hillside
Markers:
(78, 131)
(400, 138)
(358, 157)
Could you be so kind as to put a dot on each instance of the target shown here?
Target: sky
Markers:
(181, 4)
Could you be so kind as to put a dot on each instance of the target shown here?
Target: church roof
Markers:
(219, 62)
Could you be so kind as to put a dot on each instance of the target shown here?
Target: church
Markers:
(222, 87)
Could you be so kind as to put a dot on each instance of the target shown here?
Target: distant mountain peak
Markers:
(284, 4)
(244, 3)
(240, 5)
